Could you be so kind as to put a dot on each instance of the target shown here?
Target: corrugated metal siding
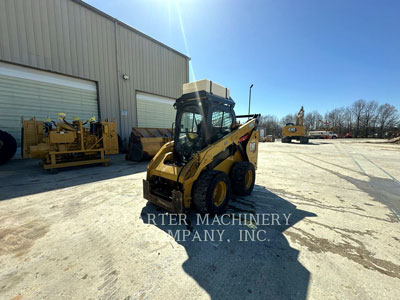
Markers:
(66, 37)
(162, 116)
(161, 110)
(151, 68)
(30, 96)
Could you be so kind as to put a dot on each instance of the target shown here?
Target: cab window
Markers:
(221, 119)
(221, 123)
(190, 122)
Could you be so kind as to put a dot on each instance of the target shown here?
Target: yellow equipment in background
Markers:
(211, 156)
(295, 132)
(65, 144)
(144, 143)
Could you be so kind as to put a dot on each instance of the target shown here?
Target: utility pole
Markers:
(250, 97)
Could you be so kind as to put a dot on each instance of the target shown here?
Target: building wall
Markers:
(69, 37)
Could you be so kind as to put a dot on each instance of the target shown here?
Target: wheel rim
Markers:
(248, 179)
(219, 193)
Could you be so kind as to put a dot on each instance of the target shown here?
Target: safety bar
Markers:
(248, 116)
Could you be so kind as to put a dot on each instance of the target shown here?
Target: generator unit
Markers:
(65, 144)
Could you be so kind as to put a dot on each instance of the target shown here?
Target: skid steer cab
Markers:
(211, 156)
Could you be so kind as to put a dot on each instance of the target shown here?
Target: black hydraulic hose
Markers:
(65, 121)
(179, 174)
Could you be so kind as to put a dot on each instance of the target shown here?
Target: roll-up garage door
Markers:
(32, 93)
(154, 111)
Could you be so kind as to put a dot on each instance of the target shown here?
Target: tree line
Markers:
(360, 119)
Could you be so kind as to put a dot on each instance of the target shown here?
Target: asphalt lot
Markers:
(86, 233)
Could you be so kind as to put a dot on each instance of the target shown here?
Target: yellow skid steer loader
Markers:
(211, 155)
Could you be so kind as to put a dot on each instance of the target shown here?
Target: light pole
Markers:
(250, 96)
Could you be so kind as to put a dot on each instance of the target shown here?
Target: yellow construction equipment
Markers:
(211, 156)
(295, 132)
(144, 143)
(65, 144)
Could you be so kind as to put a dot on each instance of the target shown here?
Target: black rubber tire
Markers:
(286, 139)
(120, 145)
(22, 142)
(8, 147)
(237, 176)
(203, 190)
(135, 152)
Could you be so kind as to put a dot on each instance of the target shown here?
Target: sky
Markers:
(321, 54)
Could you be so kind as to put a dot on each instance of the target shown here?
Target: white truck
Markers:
(322, 134)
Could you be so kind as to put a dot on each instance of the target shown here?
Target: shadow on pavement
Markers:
(384, 190)
(25, 177)
(310, 143)
(233, 268)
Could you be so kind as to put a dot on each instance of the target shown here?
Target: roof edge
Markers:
(204, 94)
(98, 11)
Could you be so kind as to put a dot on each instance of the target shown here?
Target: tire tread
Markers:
(237, 177)
(9, 147)
(200, 190)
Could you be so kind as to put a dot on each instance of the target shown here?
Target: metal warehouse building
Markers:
(66, 56)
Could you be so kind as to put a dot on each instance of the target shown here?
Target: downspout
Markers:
(187, 70)
(118, 79)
